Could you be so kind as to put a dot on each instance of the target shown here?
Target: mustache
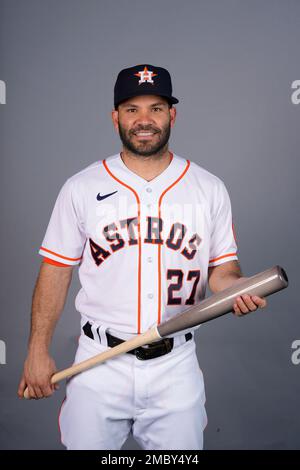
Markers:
(145, 129)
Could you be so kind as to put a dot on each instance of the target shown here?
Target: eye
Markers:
(131, 109)
(156, 108)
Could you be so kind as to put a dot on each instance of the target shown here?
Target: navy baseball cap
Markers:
(143, 79)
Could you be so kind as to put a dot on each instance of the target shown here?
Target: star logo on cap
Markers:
(145, 76)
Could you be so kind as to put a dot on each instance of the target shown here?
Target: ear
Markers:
(173, 114)
(114, 116)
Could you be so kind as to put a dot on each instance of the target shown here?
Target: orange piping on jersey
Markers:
(220, 257)
(55, 263)
(60, 256)
(159, 246)
(139, 242)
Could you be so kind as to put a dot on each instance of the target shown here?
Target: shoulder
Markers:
(92, 173)
(205, 176)
(202, 177)
(92, 170)
(77, 187)
(208, 186)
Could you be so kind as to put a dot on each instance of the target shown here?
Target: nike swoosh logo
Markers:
(100, 198)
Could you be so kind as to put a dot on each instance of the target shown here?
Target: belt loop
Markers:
(94, 331)
(101, 335)
(181, 339)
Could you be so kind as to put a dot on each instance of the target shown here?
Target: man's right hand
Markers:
(38, 370)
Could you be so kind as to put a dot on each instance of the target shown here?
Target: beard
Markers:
(145, 148)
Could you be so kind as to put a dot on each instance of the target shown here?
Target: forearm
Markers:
(47, 304)
(224, 276)
(223, 282)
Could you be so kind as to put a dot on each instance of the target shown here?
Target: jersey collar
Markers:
(173, 171)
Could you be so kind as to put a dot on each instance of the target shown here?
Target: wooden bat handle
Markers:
(148, 337)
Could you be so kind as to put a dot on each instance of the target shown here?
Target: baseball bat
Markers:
(262, 284)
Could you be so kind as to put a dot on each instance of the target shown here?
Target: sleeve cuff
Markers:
(58, 257)
(55, 263)
(222, 259)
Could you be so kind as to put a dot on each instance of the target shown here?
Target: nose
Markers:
(144, 120)
(144, 115)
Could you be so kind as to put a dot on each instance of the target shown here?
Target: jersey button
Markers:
(149, 259)
(149, 190)
(150, 296)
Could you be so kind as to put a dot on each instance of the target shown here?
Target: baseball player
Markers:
(149, 231)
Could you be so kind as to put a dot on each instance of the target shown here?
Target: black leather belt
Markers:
(156, 349)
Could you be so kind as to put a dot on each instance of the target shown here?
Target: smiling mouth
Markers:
(144, 134)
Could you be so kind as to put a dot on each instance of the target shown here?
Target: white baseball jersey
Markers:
(143, 247)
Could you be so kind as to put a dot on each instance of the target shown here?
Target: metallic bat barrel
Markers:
(263, 284)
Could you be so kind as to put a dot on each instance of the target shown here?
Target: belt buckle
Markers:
(139, 354)
(143, 353)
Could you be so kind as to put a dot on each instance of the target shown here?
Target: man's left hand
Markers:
(248, 303)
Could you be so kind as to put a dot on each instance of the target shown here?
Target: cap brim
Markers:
(170, 99)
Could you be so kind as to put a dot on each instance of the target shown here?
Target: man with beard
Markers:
(149, 230)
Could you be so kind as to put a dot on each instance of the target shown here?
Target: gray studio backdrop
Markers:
(233, 64)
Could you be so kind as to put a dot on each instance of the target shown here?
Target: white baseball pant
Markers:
(160, 401)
